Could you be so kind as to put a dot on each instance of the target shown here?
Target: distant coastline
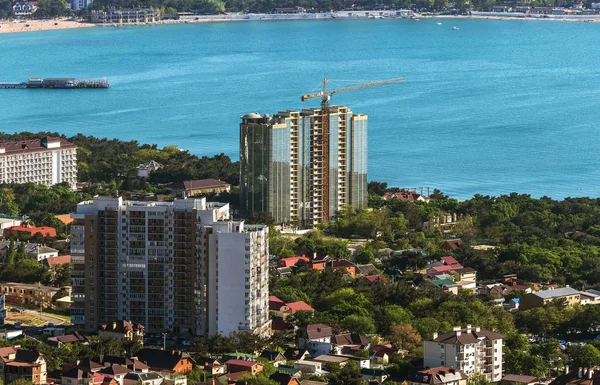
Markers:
(7, 26)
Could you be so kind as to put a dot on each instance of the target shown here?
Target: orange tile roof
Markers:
(65, 218)
(60, 260)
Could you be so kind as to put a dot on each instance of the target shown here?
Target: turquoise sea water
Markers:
(495, 107)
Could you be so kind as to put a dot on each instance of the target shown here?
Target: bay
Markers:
(495, 107)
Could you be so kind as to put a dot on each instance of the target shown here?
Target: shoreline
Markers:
(60, 24)
(40, 25)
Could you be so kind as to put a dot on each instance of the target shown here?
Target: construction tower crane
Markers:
(319, 140)
(325, 95)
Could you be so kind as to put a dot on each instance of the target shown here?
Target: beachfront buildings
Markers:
(126, 16)
(181, 267)
(46, 161)
(293, 170)
(470, 349)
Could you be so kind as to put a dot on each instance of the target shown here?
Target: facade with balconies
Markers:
(470, 349)
(46, 161)
(159, 264)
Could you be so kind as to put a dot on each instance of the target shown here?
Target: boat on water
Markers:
(439, 23)
(455, 28)
(58, 83)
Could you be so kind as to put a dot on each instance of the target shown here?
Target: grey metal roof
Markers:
(563, 291)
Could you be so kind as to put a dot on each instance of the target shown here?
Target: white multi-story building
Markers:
(471, 350)
(47, 161)
(180, 266)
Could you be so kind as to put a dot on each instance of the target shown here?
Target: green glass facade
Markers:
(278, 170)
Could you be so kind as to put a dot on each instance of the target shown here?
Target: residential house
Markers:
(239, 356)
(295, 354)
(166, 360)
(283, 310)
(569, 295)
(284, 379)
(331, 359)
(319, 262)
(26, 294)
(205, 186)
(457, 349)
(150, 378)
(30, 230)
(33, 250)
(438, 376)
(60, 341)
(316, 338)
(446, 284)
(145, 169)
(352, 340)
(581, 376)
(311, 382)
(78, 376)
(232, 378)
(452, 244)
(211, 365)
(516, 379)
(375, 278)
(309, 367)
(380, 354)
(289, 369)
(445, 264)
(374, 375)
(253, 367)
(406, 195)
(465, 274)
(273, 357)
(17, 363)
(122, 329)
(366, 269)
(292, 261)
(53, 262)
(343, 265)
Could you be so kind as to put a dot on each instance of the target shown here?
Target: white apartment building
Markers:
(47, 161)
(471, 350)
(181, 266)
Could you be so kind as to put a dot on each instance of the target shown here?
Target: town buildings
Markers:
(205, 186)
(126, 16)
(24, 9)
(122, 330)
(145, 169)
(438, 376)
(16, 363)
(471, 350)
(181, 266)
(569, 295)
(290, 172)
(33, 250)
(27, 229)
(46, 161)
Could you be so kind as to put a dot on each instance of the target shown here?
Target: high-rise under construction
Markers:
(299, 172)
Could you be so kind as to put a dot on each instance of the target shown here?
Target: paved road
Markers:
(47, 317)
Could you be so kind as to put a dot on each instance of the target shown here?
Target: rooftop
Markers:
(548, 294)
(204, 183)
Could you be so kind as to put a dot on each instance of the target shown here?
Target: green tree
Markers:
(21, 253)
(52, 8)
(359, 324)
(348, 375)
(404, 336)
(585, 356)
(11, 253)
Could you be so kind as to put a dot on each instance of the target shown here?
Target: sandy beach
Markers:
(40, 25)
(48, 25)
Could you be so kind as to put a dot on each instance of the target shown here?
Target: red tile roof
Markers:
(292, 261)
(60, 260)
(44, 230)
(374, 278)
(300, 305)
(33, 145)
(242, 363)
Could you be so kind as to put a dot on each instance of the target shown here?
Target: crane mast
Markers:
(320, 143)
